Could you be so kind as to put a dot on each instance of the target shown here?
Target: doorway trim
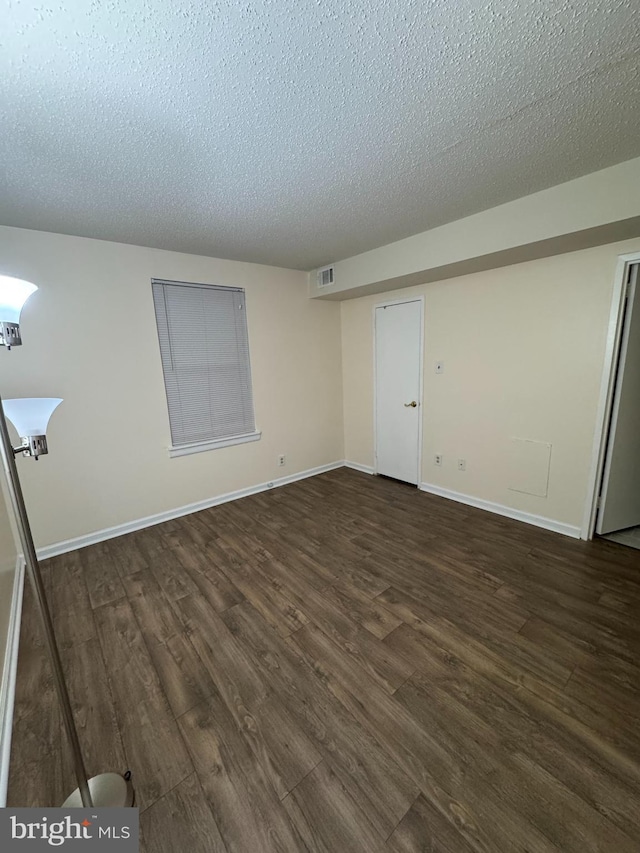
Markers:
(418, 298)
(607, 391)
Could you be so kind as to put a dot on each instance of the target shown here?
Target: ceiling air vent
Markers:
(326, 276)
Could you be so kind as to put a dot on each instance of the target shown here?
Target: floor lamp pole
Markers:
(35, 577)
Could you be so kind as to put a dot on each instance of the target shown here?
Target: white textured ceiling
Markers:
(299, 132)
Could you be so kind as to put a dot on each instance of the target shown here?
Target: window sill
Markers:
(213, 444)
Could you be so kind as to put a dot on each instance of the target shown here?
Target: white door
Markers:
(620, 496)
(398, 355)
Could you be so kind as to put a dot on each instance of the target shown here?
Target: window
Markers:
(204, 347)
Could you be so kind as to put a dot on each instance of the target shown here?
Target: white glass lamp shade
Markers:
(14, 292)
(30, 416)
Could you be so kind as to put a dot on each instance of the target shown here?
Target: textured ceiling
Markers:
(299, 132)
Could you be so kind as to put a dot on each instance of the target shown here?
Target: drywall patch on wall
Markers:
(528, 466)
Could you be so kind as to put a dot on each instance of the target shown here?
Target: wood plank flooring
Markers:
(346, 665)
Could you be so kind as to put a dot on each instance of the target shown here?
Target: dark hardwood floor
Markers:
(346, 664)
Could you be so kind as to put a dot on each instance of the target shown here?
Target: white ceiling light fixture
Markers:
(30, 416)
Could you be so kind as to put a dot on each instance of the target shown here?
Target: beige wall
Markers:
(523, 350)
(522, 346)
(90, 337)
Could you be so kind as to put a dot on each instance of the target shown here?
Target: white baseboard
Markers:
(8, 682)
(508, 512)
(150, 520)
(366, 469)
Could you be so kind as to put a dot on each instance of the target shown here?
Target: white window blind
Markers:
(204, 347)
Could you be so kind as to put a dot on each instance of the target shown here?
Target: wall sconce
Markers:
(31, 418)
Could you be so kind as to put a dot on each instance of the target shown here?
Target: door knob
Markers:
(412, 404)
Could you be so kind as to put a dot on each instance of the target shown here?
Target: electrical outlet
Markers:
(437, 460)
(282, 459)
(462, 464)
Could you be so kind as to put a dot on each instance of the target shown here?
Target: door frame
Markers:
(607, 391)
(388, 302)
